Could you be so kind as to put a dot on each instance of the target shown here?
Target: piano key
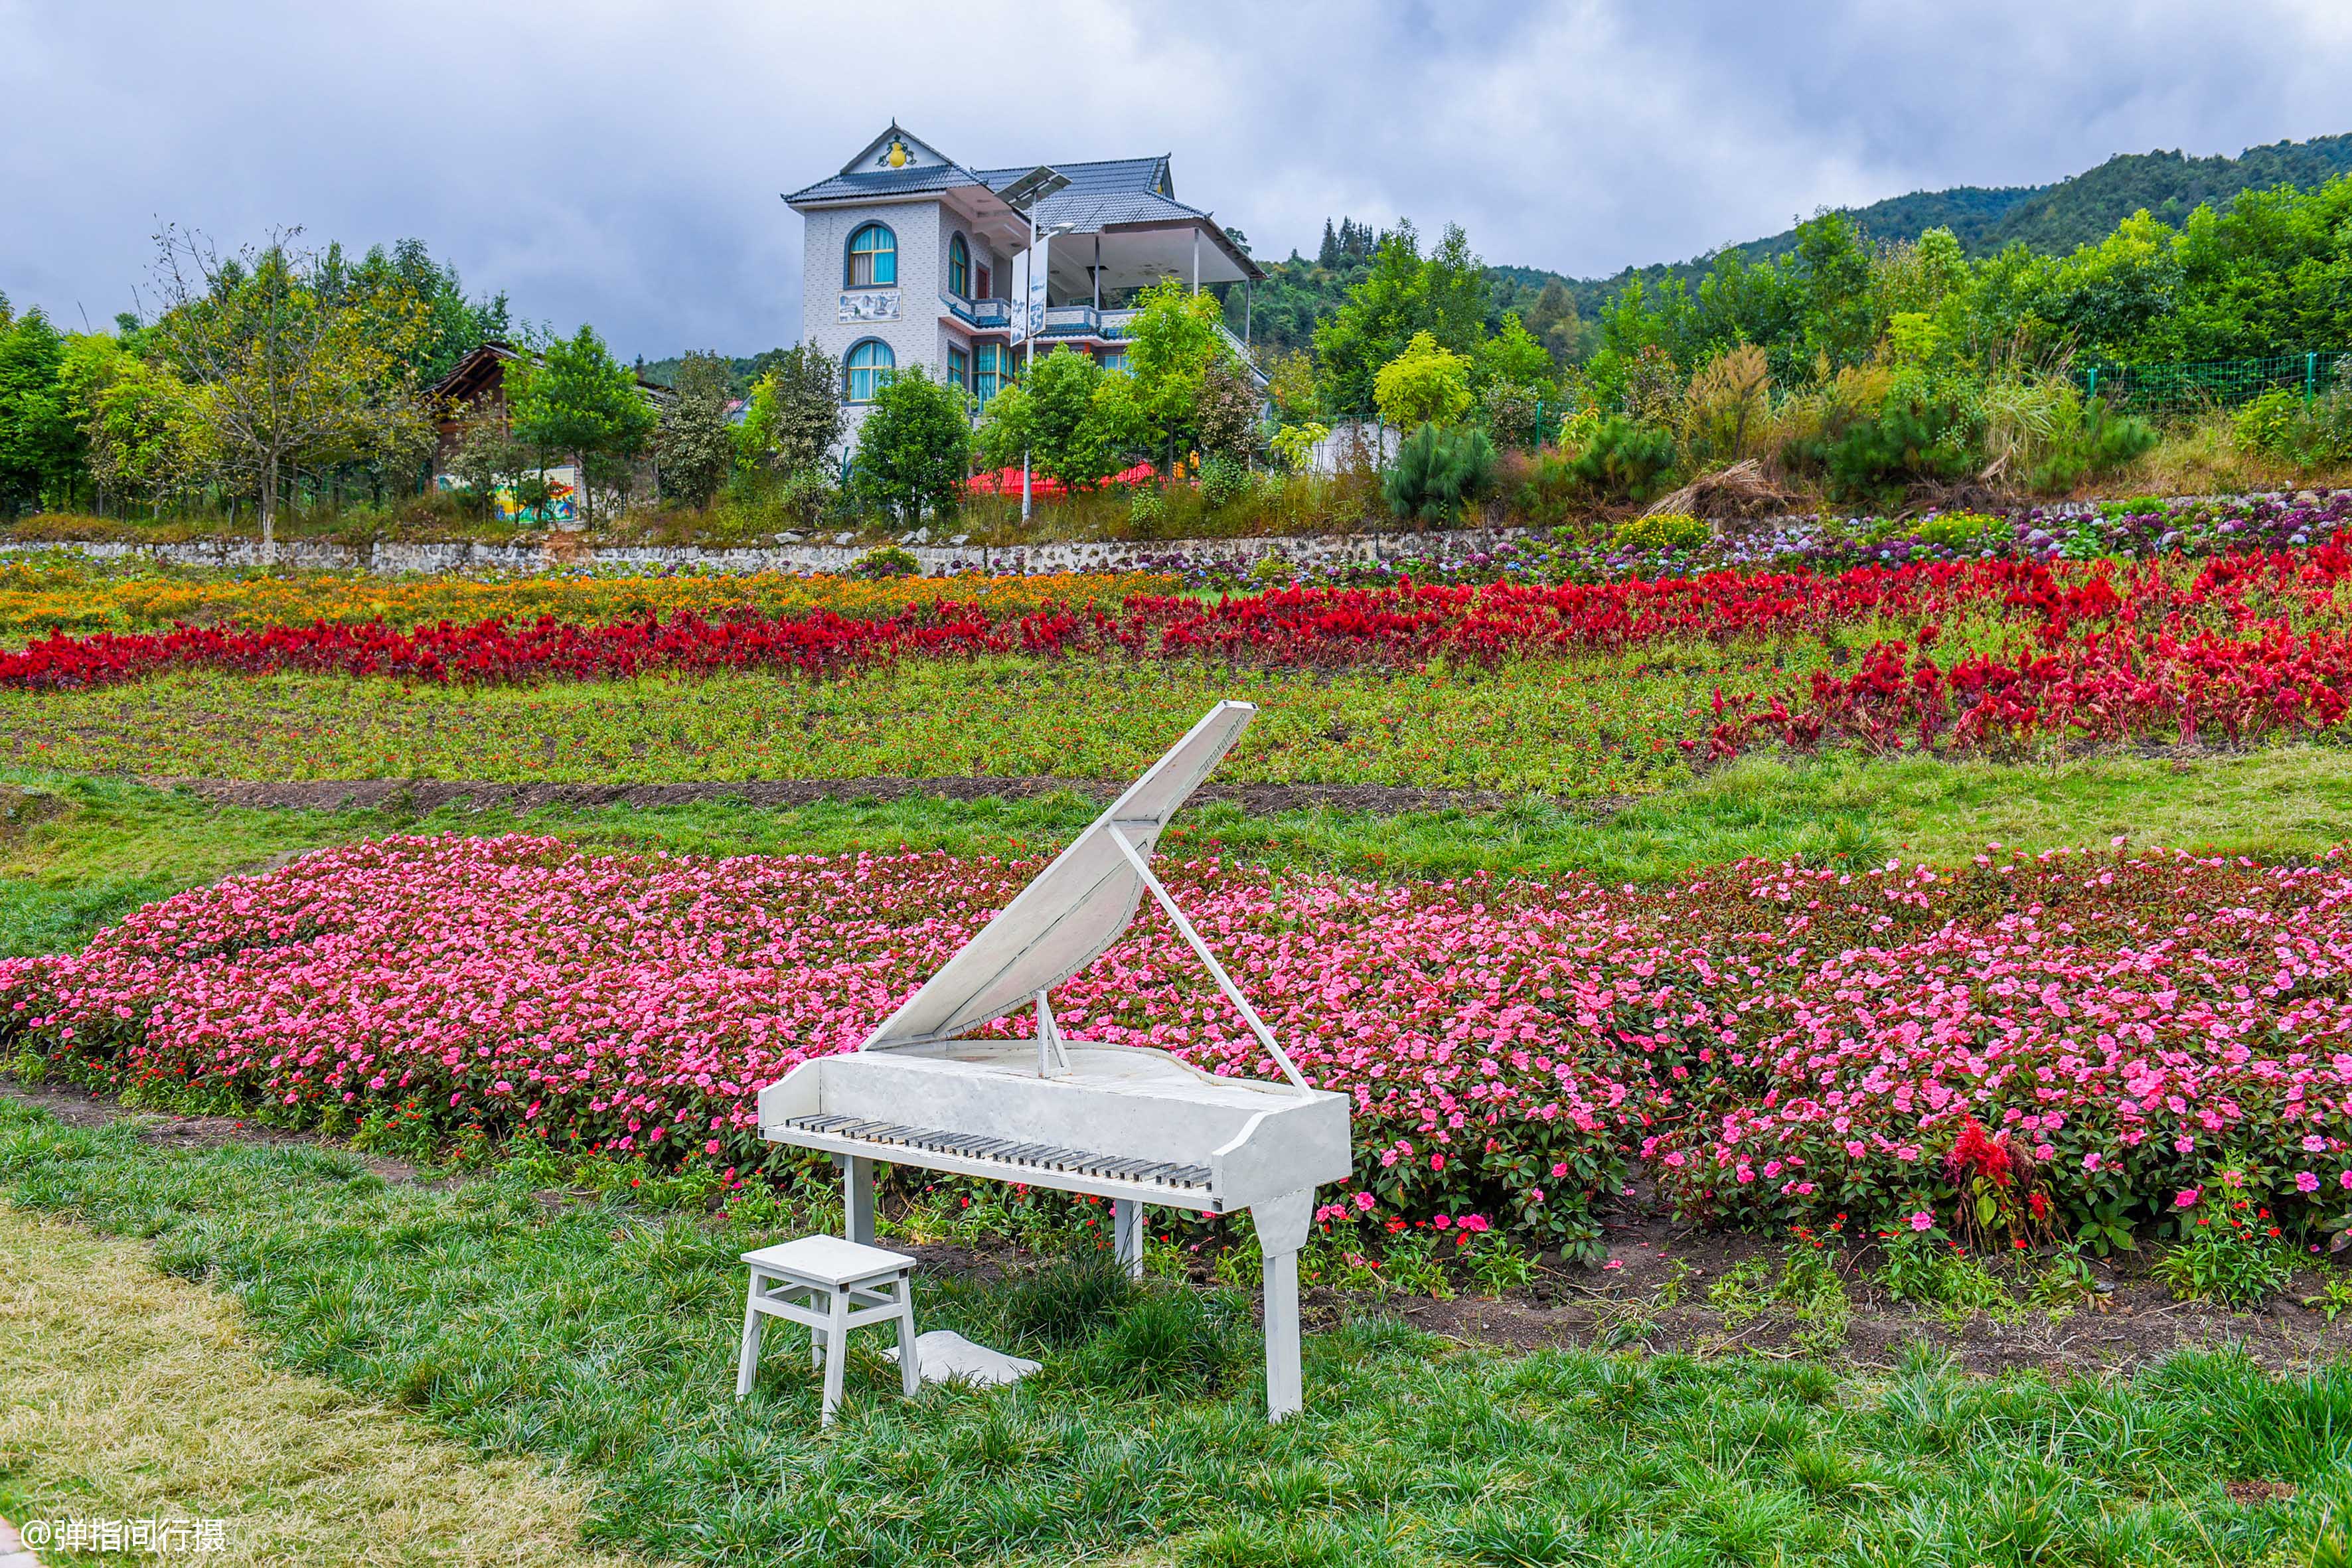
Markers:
(1009, 1152)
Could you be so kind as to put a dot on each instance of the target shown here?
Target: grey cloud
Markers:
(620, 162)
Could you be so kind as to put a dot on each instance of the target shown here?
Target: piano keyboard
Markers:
(1006, 1151)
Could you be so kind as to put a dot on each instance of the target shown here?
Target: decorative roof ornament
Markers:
(896, 156)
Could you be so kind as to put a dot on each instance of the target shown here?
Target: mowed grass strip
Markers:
(76, 853)
(600, 1336)
(128, 1394)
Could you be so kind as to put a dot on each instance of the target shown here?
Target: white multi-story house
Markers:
(912, 258)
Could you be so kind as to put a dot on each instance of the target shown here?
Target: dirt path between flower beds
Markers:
(2132, 1323)
(427, 795)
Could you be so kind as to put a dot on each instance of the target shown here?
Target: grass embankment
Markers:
(75, 853)
(601, 1335)
(126, 1393)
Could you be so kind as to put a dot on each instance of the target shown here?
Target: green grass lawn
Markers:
(77, 852)
(1579, 727)
(599, 1336)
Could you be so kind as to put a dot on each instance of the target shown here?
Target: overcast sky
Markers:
(620, 162)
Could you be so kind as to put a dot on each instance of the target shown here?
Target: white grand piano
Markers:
(1134, 1125)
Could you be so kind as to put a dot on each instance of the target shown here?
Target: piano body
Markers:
(1134, 1125)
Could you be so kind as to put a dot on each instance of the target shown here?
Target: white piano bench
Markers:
(830, 1286)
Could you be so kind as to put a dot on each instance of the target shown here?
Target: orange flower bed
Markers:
(37, 597)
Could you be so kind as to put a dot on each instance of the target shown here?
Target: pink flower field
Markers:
(2099, 1037)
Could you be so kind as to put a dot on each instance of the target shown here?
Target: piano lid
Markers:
(1074, 910)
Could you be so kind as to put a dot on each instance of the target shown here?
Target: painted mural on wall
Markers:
(516, 500)
(867, 305)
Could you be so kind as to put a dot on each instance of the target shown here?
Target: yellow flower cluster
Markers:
(46, 597)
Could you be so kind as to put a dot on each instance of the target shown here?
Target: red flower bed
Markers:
(2239, 648)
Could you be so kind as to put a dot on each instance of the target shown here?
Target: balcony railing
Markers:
(983, 314)
(1071, 321)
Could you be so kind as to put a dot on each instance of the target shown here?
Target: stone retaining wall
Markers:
(936, 560)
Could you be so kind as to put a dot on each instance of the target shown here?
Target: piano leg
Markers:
(857, 1199)
(1281, 1231)
(1127, 1231)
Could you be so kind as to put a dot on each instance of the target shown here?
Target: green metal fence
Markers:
(2186, 387)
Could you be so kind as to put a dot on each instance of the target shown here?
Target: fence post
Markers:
(2310, 365)
(2092, 390)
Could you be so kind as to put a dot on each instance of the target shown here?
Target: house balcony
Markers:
(980, 315)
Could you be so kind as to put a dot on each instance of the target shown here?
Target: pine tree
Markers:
(1329, 255)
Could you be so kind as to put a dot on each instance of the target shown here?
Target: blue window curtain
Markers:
(959, 268)
(994, 366)
(870, 363)
(873, 258)
(960, 368)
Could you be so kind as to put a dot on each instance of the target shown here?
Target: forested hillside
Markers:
(2050, 220)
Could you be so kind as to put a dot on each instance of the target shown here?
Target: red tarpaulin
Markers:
(1007, 482)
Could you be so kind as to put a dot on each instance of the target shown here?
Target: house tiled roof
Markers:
(870, 183)
(1102, 192)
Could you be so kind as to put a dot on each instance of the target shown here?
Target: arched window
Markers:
(873, 258)
(959, 268)
(869, 363)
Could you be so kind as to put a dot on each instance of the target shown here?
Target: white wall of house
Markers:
(913, 324)
(905, 315)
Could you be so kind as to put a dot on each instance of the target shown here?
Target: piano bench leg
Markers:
(1127, 1230)
(1281, 1231)
(747, 1360)
(836, 1357)
(910, 1364)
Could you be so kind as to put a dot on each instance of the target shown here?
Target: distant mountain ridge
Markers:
(2055, 218)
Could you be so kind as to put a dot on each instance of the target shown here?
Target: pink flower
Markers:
(2304, 1181)
(1922, 1220)
(2185, 1198)
(1364, 1202)
(2091, 1161)
(1614, 1263)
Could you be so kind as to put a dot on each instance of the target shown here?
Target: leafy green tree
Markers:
(1425, 384)
(1371, 328)
(149, 431)
(1554, 321)
(575, 399)
(1512, 355)
(299, 363)
(1291, 387)
(1227, 413)
(912, 447)
(451, 325)
(1075, 422)
(694, 444)
(40, 448)
(1453, 293)
(795, 418)
(1171, 344)
(1832, 263)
